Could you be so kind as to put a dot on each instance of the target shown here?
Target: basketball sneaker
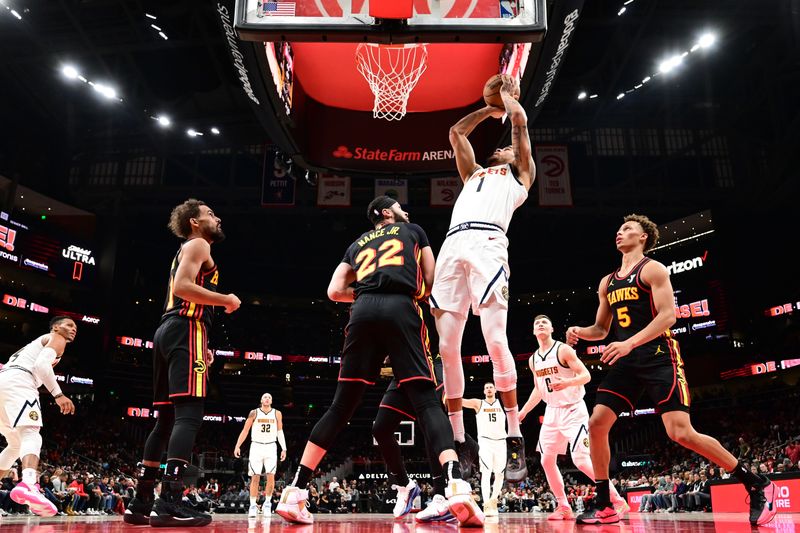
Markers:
(762, 502)
(621, 507)
(32, 496)
(138, 513)
(467, 455)
(292, 506)
(171, 511)
(562, 512)
(266, 508)
(253, 511)
(490, 507)
(461, 504)
(405, 498)
(606, 515)
(515, 464)
(436, 511)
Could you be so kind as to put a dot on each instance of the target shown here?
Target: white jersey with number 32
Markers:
(547, 367)
(265, 427)
(490, 195)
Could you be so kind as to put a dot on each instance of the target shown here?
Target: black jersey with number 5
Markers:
(387, 260)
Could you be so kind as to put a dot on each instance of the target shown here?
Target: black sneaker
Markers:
(176, 514)
(467, 455)
(762, 502)
(516, 470)
(138, 513)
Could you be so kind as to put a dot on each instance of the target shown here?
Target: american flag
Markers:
(278, 9)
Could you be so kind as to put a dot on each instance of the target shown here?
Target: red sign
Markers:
(135, 342)
(732, 498)
(634, 497)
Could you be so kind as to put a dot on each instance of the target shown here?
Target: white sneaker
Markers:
(266, 508)
(490, 507)
(292, 506)
(461, 504)
(436, 511)
(405, 498)
(253, 512)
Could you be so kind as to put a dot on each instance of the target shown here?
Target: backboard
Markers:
(430, 21)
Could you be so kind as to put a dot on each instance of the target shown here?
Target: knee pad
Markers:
(505, 376)
(30, 441)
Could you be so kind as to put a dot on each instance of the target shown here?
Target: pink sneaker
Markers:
(292, 506)
(562, 513)
(621, 507)
(24, 494)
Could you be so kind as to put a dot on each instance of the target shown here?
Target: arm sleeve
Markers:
(421, 235)
(282, 440)
(43, 369)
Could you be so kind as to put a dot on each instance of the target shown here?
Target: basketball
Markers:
(491, 92)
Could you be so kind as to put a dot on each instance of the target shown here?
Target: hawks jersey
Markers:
(491, 420)
(176, 306)
(387, 260)
(490, 195)
(546, 367)
(265, 427)
(633, 309)
(26, 357)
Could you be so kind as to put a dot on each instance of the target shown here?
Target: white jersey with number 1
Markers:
(490, 195)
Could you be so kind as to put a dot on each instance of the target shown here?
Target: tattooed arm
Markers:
(520, 140)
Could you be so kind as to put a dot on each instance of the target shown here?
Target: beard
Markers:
(216, 235)
(493, 160)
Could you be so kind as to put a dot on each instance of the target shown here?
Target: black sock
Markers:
(602, 498)
(302, 477)
(148, 473)
(452, 470)
(438, 484)
(748, 479)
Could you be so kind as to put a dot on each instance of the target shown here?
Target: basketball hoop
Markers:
(392, 72)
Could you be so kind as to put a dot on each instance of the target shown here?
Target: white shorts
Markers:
(471, 270)
(492, 455)
(565, 427)
(19, 400)
(263, 458)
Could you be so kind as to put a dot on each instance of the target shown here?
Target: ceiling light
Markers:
(69, 72)
(582, 95)
(163, 35)
(669, 64)
(706, 40)
(620, 96)
(105, 90)
(215, 131)
(155, 27)
(148, 15)
(621, 11)
(163, 120)
(193, 133)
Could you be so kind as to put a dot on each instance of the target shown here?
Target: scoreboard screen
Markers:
(47, 249)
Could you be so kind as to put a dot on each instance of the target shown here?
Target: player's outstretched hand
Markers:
(510, 86)
(572, 335)
(66, 405)
(233, 303)
(237, 452)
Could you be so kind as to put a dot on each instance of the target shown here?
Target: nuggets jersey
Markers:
(387, 260)
(547, 366)
(491, 420)
(265, 427)
(26, 358)
(490, 195)
(175, 306)
(631, 303)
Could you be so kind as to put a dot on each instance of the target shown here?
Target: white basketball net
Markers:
(392, 72)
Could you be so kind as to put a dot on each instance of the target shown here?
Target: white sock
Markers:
(29, 476)
(512, 417)
(457, 423)
(253, 500)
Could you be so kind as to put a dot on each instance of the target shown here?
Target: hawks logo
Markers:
(504, 291)
(200, 366)
(33, 415)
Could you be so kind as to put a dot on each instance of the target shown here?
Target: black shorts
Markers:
(657, 369)
(179, 360)
(381, 325)
(395, 399)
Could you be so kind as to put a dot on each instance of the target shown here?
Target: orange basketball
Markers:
(491, 92)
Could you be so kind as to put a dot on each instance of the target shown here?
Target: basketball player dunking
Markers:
(265, 425)
(180, 362)
(472, 268)
(637, 309)
(491, 421)
(558, 379)
(21, 412)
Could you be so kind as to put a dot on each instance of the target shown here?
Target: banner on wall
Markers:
(397, 189)
(333, 191)
(552, 173)
(444, 191)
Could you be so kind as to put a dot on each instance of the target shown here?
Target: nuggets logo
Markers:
(586, 441)
(200, 367)
(33, 415)
(504, 292)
